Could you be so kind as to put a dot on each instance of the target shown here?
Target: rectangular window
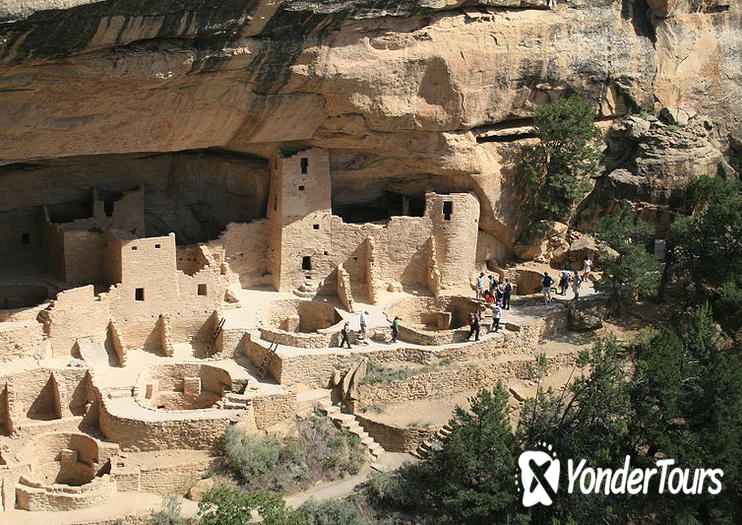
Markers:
(304, 164)
(301, 188)
(25, 238)
(139, 294)
(306, 263)
(202, 289)
(447, 210)
(134, 248)
(157, 246)
(315, 226)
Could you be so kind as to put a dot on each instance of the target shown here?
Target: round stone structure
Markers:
(301, 323)
(434, 320)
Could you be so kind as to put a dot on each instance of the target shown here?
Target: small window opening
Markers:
(25, 238)
(202, 289)
(304, 164)
(315, 226)
(447, 210)
(275, 202)
(306, 263)
(108, 208)
(139, 294)
(301, 188)
(135, 248)
(157, 246)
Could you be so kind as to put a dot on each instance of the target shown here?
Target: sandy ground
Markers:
(123, 504)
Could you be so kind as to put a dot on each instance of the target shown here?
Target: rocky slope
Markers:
(407, 94)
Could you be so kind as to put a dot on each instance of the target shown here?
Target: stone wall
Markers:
(315, 367)
(159, 430)
(446, 383)
(395, 438)
(269, 410)
(36, 497)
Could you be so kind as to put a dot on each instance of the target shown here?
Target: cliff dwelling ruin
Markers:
(195, 200)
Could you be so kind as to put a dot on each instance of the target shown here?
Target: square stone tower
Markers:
(300, 210)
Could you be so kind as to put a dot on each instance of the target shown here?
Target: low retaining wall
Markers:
(315, 368)
(449, 382)
(162, 479)
(395, 438)
(195, 429)
(34, 496)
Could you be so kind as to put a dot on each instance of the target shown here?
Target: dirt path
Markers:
(344, 487)
(121, 505)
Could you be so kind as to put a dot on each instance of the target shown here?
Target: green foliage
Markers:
(559, 165)
(634, 273)
(169, 513)
(250, 455)
(709, 246)
(687, 394)
(318, 452)
(232, 506)
(680, 398)
(332, 513)
(620, 230)
(225, 506)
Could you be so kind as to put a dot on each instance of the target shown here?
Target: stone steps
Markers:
(350, 423)
(427, 446)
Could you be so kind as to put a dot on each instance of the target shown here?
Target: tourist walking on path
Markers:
(363, 321)
(546, 283)
(496, 316)
(576, 283)
(499, 294)
(507, 291)
(474, 325)
(563, 282)
(345, 333)
(395, 329)
(480, 285)
(587, 267)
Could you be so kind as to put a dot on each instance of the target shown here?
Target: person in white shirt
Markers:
(587, 268)
(363, 318)
(496, 316)
(480, 286)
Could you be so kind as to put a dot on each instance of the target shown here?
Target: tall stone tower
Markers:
(455, 228)
(300, 210)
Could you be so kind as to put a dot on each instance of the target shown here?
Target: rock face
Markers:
(650, 163)
(407, 95)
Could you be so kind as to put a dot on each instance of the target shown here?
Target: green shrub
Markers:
(319, 452)
(169, 513)
(248, 455)
(332, 512)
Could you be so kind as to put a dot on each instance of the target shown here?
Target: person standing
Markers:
(546, 283)
(480, 285)
(474, 326)
(563, 282)
(395, 329)
(506, 293)
(496, 316)
(345, 333)
(493, 284)
(576, 283)
(587, 267)
(363, 321)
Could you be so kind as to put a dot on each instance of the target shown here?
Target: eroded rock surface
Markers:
(407, 95)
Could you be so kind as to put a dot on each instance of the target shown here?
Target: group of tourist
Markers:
(494, 294)
(490, 290)
(496, 297)
(567, 279)
(362, 337)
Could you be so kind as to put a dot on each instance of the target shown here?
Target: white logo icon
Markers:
(539, 475)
